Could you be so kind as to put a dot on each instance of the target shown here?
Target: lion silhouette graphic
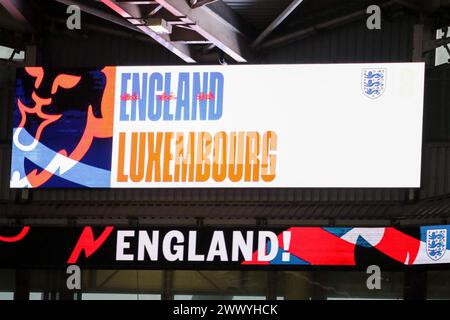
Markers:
(63, 127)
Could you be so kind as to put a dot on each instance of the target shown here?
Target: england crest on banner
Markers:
(436, 243)
(373, 82)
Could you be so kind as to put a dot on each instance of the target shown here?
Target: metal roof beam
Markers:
(136, 2)
(199, 3)
(304, 33)
(100, 14)
(239, 24)
(21, 10)
(275, 23)
(410, 4)
(182, 35)
(212, 27)
(180, 49)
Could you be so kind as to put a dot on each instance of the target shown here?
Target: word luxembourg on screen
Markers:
(219, 126)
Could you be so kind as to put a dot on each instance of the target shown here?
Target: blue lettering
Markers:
(216, 103)
(123, 102)
(155, 104)
(141, 97)
(182, 97)
(151, 97)
(167, 115)
(196, 91)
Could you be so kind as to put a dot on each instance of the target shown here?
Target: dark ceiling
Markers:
(229, 25)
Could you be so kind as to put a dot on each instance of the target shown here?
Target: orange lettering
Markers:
(121, 176)
(154, 157)
(236, 161)
(168, 136)
(182, 159)
(251, 157)
(219, 170)
(269, 144)
(137, 169)
(203, 166)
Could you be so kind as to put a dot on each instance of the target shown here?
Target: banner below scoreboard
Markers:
(227, 248)
(263, 126)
